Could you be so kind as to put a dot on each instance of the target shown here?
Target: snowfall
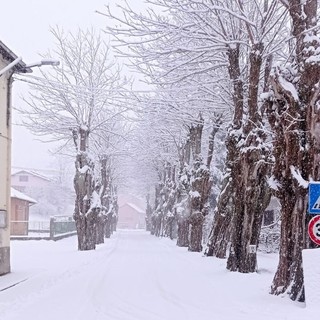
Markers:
(136, 276)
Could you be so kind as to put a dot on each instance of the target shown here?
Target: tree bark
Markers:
(252, 190)
(294, 119)
(220, 232)
(183, 232)
(182, 209)
(84, 216)
(101, 219)
(148, 215)
(201, 184)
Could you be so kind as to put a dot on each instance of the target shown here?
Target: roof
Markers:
(21, 196)
(131, 198)
(133, 207)
(8, 55)
(31, 173)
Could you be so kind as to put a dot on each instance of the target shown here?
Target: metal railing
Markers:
(57, 227)
(269, 240)
(61, 225)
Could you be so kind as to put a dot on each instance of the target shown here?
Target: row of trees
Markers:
(242, 72)
(76, 104)
(233, 114)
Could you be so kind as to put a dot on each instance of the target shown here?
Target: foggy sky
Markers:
(24, 28)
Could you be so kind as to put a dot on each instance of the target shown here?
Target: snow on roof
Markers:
(8, 55)
(19, 195)
(32, 173)
(134, 207)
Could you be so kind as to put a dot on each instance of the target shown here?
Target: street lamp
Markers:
(44, 62)
(27, 67)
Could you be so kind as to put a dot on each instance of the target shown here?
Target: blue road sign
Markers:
(314, 197)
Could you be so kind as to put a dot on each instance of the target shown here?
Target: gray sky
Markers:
(24, 28)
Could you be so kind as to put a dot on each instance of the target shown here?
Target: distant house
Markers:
(124, 198)
(29, 181)
(131, 217)
(20, 204)
(272, 212)
(52, 196)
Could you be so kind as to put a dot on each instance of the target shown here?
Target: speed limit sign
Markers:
(314, 229)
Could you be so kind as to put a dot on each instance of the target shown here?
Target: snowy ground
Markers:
(135, 276)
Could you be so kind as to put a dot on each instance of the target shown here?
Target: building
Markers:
(9, 64)
(272, 212)
(20, 204)
(53, 196)
(29, 182)
(131, 216)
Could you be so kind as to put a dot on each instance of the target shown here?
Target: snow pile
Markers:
(311, 270)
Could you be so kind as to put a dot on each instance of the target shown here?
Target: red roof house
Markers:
(131, 217)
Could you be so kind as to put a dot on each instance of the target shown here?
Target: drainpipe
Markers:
(5, 206)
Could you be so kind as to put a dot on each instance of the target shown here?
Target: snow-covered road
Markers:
(134, 276)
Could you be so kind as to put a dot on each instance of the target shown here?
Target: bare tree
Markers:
(74, 104)
(204, 42)
(244, 194)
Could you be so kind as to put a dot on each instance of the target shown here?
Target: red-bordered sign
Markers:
(314, 229)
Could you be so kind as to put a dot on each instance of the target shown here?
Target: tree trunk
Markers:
(169, 200)
(196, 225)
(169, 227)
(157, 217)
(183, 232)
(293, 164)
(148, 215)
(248, 215)
(220, 233)
(114, 218)
(294, 119)
(200, 187)
(84, 216)
(101, 220)
(289, 271)
(100, 229)
(252, 194)
(183, 187)
(201, 184)
(108, 226)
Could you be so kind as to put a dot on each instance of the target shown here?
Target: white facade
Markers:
(9, 63)
(28, 181)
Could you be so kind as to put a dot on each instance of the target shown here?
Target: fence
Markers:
(57, 228)
(269, 240)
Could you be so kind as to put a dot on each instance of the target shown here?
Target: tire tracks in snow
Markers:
(118, 305)
(54, 281)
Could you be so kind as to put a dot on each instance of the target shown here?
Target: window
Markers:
(268, 217)
(23, 178)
